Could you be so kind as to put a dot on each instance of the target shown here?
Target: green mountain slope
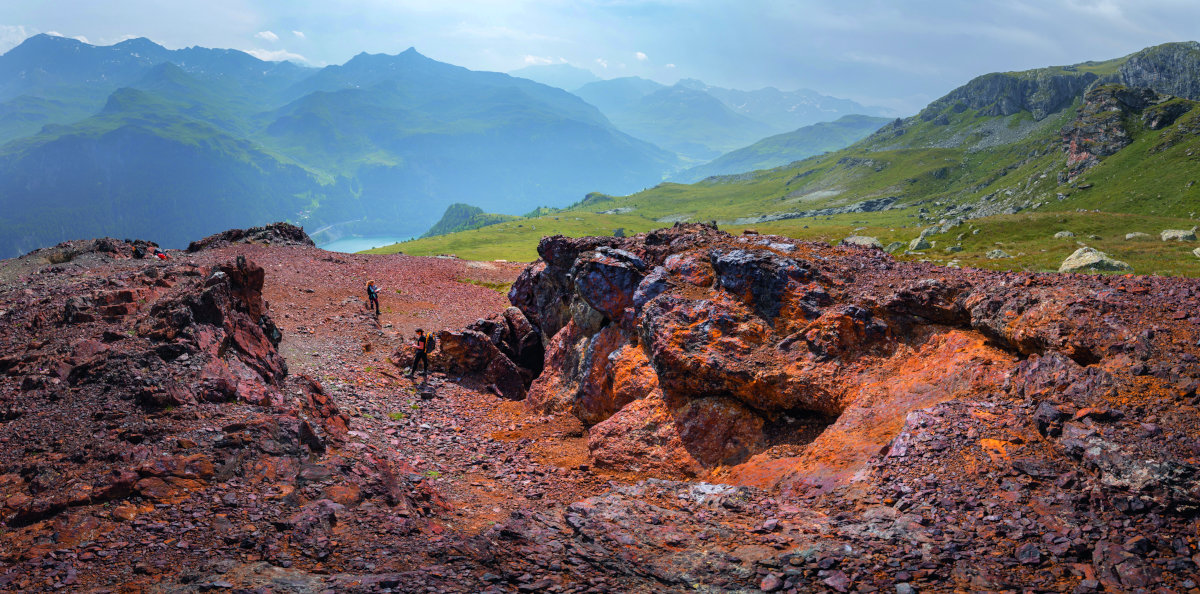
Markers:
(782, 149)
(464, 217)
(415, 133)
(146, 170)
(1002, 163)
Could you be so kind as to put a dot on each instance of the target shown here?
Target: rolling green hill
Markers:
(464, 217)
(1002, 163)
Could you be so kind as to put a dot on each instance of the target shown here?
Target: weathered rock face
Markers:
(706, 364)
(1042, 93)
(1099, 129)
(127, 359)
(1170, 69)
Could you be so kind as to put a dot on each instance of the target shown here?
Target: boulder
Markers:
(1196, 252)
(1178, 234)
(997, 254)
(1063, 235)
(1136, 235)
(919, 244)
(862, 241)
(894, 247)
(1088, 259)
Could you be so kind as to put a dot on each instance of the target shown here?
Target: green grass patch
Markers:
(499, 287)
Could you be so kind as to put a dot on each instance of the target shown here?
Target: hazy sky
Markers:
(895, 53)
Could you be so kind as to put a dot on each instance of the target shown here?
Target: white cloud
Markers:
(267, 35)
(55, 34)
(12, 35)
(538, 60)
(81, 38)
(640, 56)
(670, 65)
(602, 62)
(276, 55)
(299, 34)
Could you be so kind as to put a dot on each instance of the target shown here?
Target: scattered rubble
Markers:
(701, 412)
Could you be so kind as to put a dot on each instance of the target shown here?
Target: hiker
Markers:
(373, 295)
(424, 347)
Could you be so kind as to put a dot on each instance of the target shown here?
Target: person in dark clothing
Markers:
(424, 347)
(373, 295)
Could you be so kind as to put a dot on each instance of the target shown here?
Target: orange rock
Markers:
(347, 494)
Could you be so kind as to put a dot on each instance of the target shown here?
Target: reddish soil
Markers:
(984, 432)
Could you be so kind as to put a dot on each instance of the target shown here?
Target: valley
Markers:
(998, 166)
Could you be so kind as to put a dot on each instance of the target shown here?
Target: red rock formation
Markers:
(690, 351)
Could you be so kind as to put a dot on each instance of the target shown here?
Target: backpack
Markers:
(429, 343)
(371, 291)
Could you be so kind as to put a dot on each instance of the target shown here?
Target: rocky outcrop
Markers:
(273, 234)
(687, 351)
(149, 353)
(1100, 130)
(1169, 69)
(504, 351)
(1041, 92)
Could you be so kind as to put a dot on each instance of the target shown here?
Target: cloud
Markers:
(299, 34)
(76, 37)
(640, 56)
(276, 55)
(670, 66)
(12, 35)
(602, 62)
(267, 35)
(542, 61)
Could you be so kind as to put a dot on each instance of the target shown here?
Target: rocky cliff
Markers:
(1169, 69)
(1040, 92)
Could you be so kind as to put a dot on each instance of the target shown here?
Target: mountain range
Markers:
(1010, 170)
(137, 140)
(701, 122)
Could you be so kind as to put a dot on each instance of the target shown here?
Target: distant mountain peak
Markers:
(138, 43)
(43, 42)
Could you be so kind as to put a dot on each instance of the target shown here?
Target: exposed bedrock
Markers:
(764, 361)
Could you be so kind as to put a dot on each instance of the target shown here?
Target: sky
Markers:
(898, 54)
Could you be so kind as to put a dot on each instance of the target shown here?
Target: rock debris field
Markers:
(679, 411)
